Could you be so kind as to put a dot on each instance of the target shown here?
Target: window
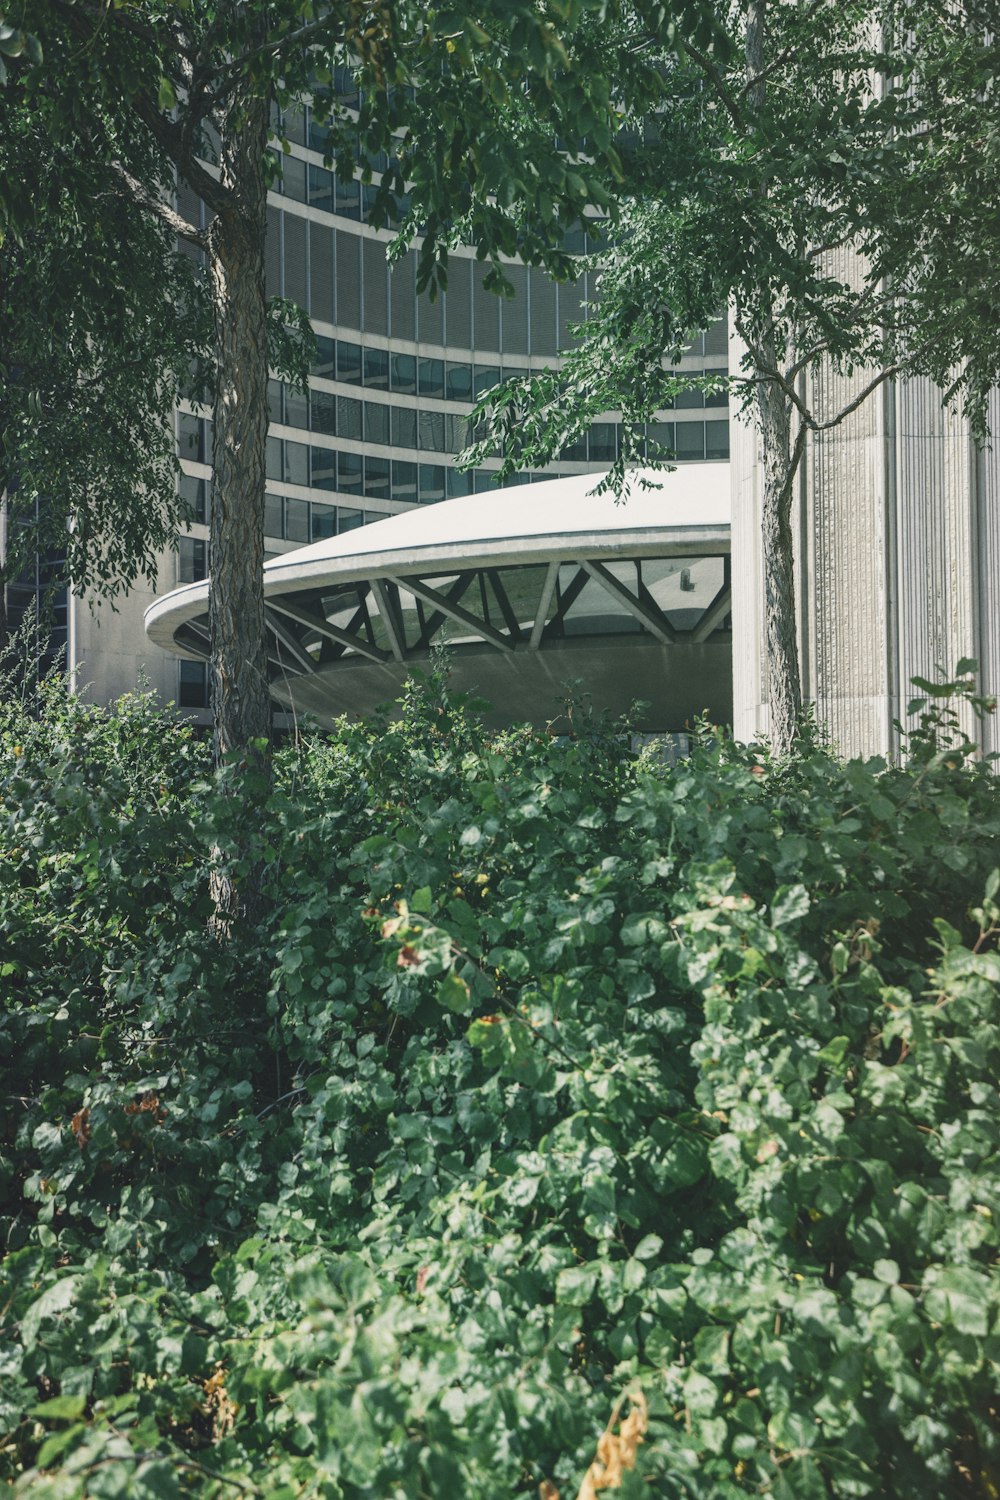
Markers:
(459, 383)
(689, 440)
(376, 478)
(404, 427)
(661, 434)
(324, 412)
(376, 366)
(718, 398)
(349, 417)
(430, 377)
(431, 482)
(376, 423)
(349, 199)
(348, 363)
(404, 480)
(192, 684)
(274, 516)
(296, 520)
(194, 493)
(321, 188)
(716, 439)
(689, 400)
(431, 426)
(326, 357)
(191, 559)
(323, 468)
(459, 482)
(349, 473)
(324, 521)
(296, 407)
(319, 133)
(293, 178)
(296, 463)
(191, 438)
(403, 374)
(604, 442)
(487, 376)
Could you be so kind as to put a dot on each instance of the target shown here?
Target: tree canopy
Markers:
(102, 327)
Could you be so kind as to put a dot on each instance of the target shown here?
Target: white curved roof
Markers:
(688, 507)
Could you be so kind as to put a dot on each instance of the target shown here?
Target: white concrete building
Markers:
(897, 563)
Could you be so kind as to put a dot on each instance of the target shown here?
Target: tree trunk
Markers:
(784, 692)
(238, 684)
(780, 462)
(238, 672)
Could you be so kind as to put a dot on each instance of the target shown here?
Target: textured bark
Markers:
(784, 691)
(780, 463)
(239, 689)
(238, 670)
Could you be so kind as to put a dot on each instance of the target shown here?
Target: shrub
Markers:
(549, 1074)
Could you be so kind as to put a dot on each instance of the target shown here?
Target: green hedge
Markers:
(547, 1076)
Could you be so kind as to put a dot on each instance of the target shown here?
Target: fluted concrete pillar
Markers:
(898, 560)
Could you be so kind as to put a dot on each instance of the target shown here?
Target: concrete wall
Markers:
(898, 560)
(108, 650)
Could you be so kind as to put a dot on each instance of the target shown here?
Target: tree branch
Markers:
(786, 55)
(716, 79)
(292, 39)
(872, 385)
(170, 137)
(154, 205)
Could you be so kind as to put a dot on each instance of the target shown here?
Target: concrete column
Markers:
(898, 560)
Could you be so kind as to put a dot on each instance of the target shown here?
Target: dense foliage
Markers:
(548, 1079)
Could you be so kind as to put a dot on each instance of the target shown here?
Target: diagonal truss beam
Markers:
(548, 589)
(455, 612)
(323, 627)
(506, 608)
(714, 614)
(432, 621)
(567, 598)
(288, 640)
(195, 637)
(393, 624)
(646, 613)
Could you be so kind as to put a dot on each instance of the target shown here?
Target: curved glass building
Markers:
(396, 375)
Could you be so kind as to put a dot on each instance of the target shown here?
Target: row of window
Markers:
(370, 421)
(285, 519)
(375, 477)
(407, 374)
(341, 276)
(412, 375)
(306, 126)
(426, 431)
(304, 182)
(380, 477)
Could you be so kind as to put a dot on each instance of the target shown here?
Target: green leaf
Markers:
(68, 1407)
(454, 993)
(790, 904)
(834, 1052)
